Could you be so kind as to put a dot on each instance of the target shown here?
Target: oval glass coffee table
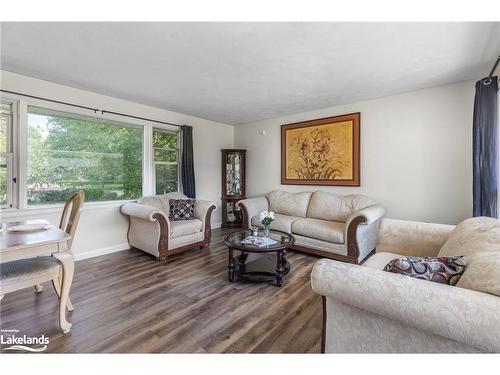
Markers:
(258, 263)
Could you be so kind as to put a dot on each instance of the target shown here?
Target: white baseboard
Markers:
(103, 251)
(116, 248)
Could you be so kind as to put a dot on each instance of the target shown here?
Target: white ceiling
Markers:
(243, 72)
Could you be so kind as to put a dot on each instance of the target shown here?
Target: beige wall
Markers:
(102, 228)
(416, 153)
(415, 156)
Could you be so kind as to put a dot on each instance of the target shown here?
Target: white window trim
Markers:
(20, 155)
(12, 193)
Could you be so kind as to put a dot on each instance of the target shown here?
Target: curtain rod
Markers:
(95, 110)
(140, 118)
(494, 67)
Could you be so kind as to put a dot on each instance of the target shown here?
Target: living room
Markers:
(256, 187)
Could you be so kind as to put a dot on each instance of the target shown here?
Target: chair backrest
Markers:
(71, 214)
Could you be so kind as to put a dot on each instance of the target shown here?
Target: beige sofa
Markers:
(332, 226)
(150, 229)
(367, 310)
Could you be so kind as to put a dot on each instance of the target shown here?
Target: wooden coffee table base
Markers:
(258, 267)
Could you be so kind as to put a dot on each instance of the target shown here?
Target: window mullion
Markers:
(148, 169)
(22, 154)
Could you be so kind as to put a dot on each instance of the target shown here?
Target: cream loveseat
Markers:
(151, 230)
(367, 310)
(332, 226)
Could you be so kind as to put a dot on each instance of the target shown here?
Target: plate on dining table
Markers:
(35, 227)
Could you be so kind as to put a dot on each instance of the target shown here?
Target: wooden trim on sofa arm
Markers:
(164, 236)
(352, 242)
(245, 220)
(323, 327)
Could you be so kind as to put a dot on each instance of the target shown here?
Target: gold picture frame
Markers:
(324, 151)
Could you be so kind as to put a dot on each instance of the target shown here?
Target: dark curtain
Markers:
(187, 162)
(485, 148)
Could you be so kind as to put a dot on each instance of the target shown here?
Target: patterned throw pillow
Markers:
(181, 209)
(444, 270)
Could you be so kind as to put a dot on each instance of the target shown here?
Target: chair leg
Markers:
(1, 297)
(38, 288)
(57, 287)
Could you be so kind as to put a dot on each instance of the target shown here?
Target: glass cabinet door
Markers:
(233, 174)
(233, 212)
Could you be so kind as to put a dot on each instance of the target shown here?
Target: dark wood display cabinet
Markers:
(233, 186)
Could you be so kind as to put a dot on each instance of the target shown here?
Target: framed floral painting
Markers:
(321, 152)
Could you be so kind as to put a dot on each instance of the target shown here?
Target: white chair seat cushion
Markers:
(27, 268)
(379, 260)
(183, 228)
(330, 231)
(281, 222)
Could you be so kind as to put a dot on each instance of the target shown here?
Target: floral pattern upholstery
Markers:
(372, 311)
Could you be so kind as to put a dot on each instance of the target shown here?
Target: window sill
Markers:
(8, 213)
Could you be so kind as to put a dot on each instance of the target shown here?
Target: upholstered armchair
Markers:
(368, 310)
(151, 230)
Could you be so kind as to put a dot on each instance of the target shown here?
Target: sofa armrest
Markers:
(201, 208)
(203, 211)
(148, 229)
(369, 214)
(251, 207)
(140, 211)
(463, 315)
(411, 237)
(361, 230)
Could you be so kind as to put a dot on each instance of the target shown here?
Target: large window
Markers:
(68, 152)
(6, 143)
(166, 155)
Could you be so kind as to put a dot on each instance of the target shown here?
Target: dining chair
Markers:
(24, 273)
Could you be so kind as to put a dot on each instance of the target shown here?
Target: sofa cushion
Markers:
(165, 199)
(286, 203)
(329, 231)
(379, 260)
(473, 236)
(281, 222)
(184, 227)
(333, 207)
(482, 273)
(162, 201)
(317, 244)
(181, 209)
(154, 201)
(443, 270)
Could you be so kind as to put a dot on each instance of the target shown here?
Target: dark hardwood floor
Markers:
(127, 302)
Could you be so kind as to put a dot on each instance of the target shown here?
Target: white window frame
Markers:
(11, 157)
(178, 156)
(20, 105)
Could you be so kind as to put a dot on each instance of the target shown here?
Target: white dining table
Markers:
(51, 241)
